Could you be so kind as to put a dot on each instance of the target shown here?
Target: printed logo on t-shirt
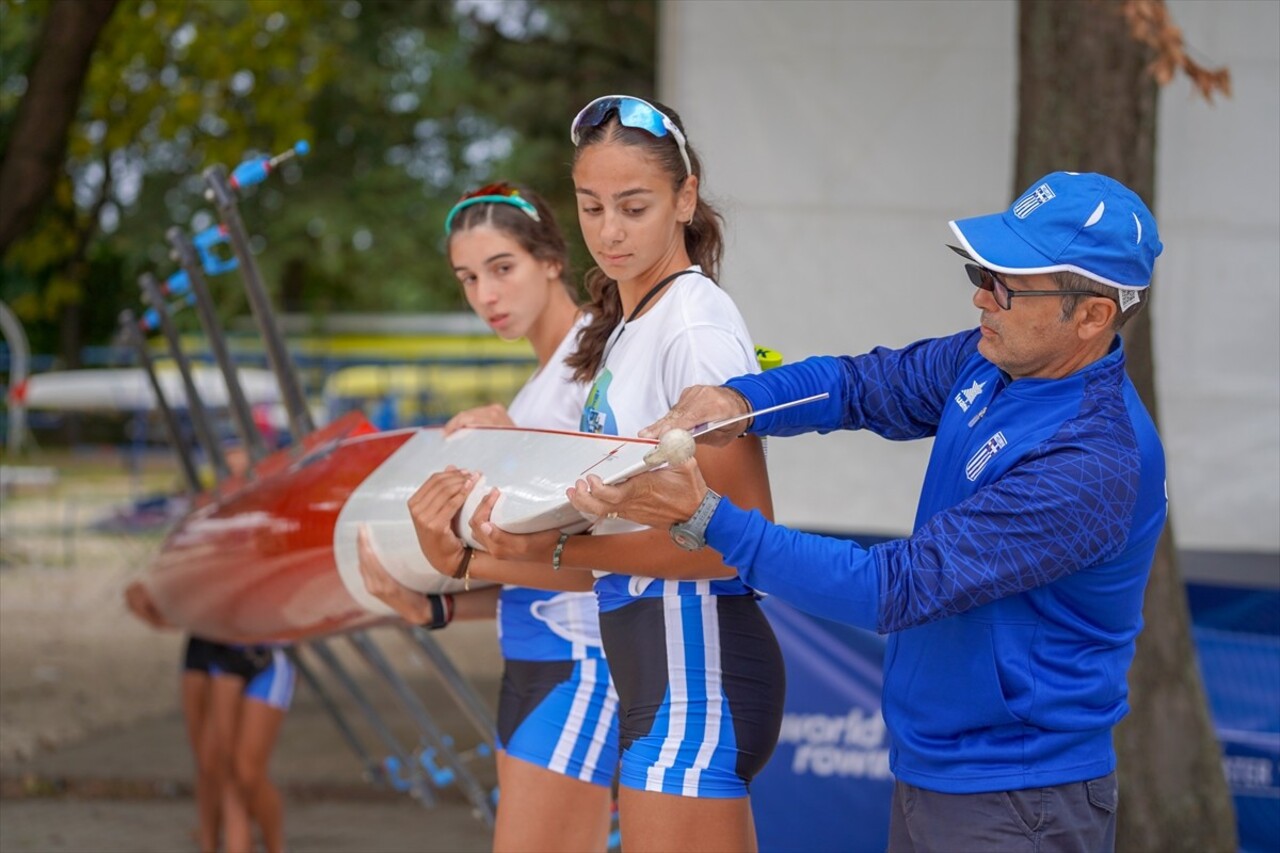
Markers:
(597, 416)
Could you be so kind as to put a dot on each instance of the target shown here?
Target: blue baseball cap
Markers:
(1079, 222)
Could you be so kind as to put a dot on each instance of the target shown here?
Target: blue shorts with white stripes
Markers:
(561, 715)
(274, 685)
(271, 685)
(700, 683)
(269, 674)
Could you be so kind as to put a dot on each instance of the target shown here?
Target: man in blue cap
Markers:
(1013, 607)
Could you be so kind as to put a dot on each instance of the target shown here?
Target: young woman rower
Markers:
(698, 671)
(557, 720)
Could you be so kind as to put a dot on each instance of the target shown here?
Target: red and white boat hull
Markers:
(274, 558)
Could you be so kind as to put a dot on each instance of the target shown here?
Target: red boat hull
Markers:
(255, 563)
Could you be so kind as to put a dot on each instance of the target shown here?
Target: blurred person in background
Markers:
(234, 699)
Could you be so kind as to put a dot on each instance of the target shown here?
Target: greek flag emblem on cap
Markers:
(1032, 200)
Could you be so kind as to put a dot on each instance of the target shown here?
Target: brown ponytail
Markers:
(605, 307)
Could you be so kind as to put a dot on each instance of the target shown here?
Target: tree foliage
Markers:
(435, 99)
(406, 104)
(170, 86)
(36, 140)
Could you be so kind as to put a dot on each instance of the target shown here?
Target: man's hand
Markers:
(657, 499)
(702, 404)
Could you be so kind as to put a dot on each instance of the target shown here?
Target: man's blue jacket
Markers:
(1013, 607)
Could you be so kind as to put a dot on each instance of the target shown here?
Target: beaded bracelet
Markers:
(556, 554)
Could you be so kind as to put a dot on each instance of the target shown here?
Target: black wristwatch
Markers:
(692, 534)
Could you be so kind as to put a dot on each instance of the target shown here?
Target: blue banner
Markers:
(828, 785)
(1237, 636)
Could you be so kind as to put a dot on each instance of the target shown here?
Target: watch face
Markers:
(685, 539)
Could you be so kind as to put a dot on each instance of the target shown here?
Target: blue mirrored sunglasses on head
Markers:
(632, 112)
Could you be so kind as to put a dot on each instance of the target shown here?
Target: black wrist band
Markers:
(441, 611)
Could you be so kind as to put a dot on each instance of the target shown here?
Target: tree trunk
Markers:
(38, 142)
(1086, 103)
(70, 336)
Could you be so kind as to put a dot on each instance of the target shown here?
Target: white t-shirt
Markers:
(693, 335)
(551, 399)
(535, 624)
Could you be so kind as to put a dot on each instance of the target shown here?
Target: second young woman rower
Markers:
(698, 671)
(557, 720)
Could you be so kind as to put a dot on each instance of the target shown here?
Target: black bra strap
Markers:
(644, 300)
(654, 291)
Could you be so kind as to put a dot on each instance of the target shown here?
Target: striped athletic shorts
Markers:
(561, 715)
(199, 654)
(700, 683)
(274, 685)
(268, 672)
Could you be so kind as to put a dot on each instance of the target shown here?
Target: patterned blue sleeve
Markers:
(1067, 507)
(898, 394)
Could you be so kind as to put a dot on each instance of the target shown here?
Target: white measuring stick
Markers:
(676, 445)
(703, 429)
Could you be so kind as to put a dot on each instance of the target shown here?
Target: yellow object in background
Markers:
(768, 358)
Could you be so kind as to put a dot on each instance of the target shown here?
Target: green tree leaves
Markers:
(407, 103)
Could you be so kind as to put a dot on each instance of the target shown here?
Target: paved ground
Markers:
(93, 756)
(114, 826)
(128, 789)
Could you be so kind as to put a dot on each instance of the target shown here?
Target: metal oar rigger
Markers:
(677, 445)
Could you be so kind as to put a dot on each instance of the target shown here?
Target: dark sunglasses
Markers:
(991, 282)
(631, 112)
